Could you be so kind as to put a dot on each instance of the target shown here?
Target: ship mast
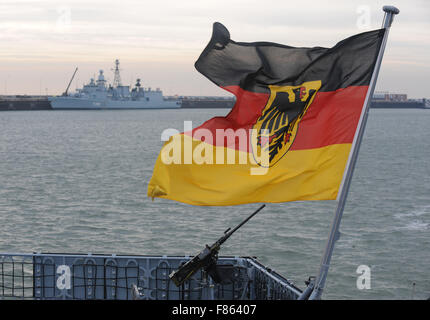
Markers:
(117, 77)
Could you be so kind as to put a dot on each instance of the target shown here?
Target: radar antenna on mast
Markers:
(117, 77)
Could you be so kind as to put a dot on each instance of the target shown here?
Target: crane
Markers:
(67, 89)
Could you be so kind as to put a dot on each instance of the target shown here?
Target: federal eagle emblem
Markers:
(275, 130)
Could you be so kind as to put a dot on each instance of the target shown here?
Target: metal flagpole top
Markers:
(390, 11)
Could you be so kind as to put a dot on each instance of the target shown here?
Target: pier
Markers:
(29, 102)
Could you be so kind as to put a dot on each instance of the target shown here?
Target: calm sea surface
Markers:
(76, 181)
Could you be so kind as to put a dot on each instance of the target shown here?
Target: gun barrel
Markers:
(205, 258)
(227, 235)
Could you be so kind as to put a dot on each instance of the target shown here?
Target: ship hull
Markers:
(70, 103)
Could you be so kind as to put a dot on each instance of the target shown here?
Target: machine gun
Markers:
(207, 258)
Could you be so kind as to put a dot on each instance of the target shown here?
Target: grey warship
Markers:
(98, 94)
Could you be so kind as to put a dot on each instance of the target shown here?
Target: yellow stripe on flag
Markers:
(312, 174)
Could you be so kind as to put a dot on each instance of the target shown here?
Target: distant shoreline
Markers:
(28, 103)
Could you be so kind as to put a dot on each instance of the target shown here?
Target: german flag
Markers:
(290, 132)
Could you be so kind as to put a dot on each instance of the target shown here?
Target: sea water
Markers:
(76, 182)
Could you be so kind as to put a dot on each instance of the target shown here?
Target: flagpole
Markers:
(334, 234)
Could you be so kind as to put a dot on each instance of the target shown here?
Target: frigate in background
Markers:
(101, 95)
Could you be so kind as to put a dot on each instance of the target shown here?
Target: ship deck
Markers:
(114, 277)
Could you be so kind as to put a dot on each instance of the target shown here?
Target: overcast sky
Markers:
(42, 41)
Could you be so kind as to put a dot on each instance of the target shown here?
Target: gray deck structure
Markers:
(111, 277)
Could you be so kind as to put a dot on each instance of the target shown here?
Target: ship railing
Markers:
(118, 277)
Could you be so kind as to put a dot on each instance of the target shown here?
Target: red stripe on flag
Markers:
(243, 115)
(332, 118)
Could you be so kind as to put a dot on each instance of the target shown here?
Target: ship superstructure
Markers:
(98, 94)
